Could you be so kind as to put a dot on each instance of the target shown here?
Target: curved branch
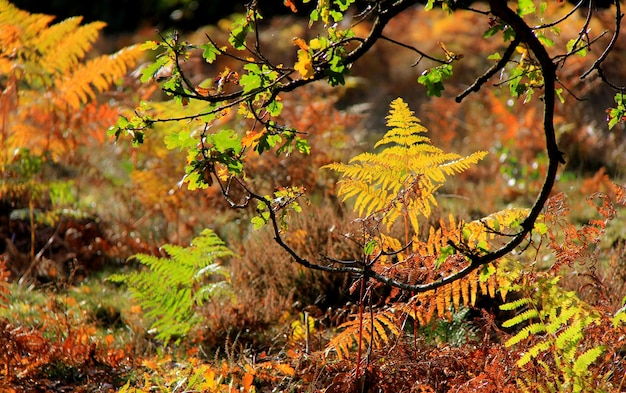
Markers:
(523, 35)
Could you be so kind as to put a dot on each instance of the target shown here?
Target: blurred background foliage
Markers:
(130, 15)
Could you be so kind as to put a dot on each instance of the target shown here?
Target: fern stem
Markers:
(360, 349)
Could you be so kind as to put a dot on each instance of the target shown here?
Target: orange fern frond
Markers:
(65, 44)
(96, 75)
(377, 329)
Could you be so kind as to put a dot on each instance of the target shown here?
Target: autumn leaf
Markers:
(300, 43)
(304, 65)
(291, 5)
(203, 92)
(248, 378)
(251, 138)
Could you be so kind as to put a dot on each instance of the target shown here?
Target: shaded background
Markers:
(184, 15)
(129, 15)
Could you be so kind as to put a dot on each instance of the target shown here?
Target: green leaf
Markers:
(525, 7)
(486, 272)
(181, 140)
(260, 220)
(541, 228)
(149, 45)
(559, 95)
(433, 79)
(226, 140)
(493, 30)
(576, 45)
(257, 222)
(369, 247)
(343, 4)
(151, 70)
(303, 146)
(251, 80)
(618, 114)
(275, 107)
(545, 40)
(444, 253)
(238, 34)
(209, 52)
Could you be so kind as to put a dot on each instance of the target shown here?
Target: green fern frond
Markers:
(557, 332)
(582, 363)
(521, 317)
(570, 336)
(527, 331)
(533, 352)
(515, 304)
(171, 289)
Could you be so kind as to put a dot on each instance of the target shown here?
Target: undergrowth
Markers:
(550, 317)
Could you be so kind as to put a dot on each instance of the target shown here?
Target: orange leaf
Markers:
(251, 138)
(202, 91)
(300, 43)
(247, 382)
(291, 5)
(285, 369)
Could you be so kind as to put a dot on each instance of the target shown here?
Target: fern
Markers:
(552, 323)
(44, 69)
(377, 329)
(401, 179)
(94, 76)
(171, 289)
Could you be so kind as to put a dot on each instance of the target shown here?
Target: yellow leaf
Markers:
(316, 44)
(211, 381)
(304, 65)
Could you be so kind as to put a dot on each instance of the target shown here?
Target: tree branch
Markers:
(506, 56)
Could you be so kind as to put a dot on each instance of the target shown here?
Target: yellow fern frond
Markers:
(401, 179)
(487, 228)
(404, 127)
